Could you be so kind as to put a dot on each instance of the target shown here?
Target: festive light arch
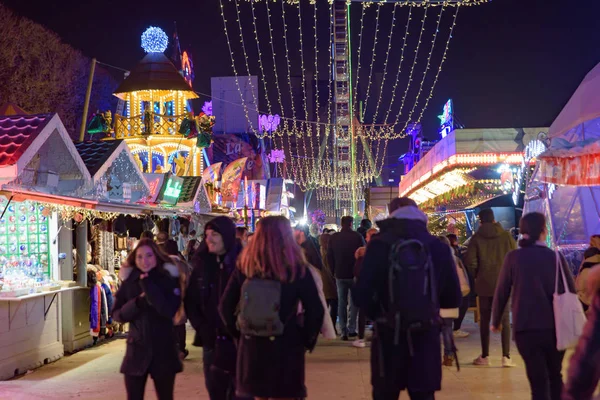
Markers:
(311, 138)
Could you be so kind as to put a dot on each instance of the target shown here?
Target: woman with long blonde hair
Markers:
(271, 278)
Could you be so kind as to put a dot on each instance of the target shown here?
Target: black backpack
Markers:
(260, 303)
(413, 304)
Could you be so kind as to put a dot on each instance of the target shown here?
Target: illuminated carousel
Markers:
(153, 116)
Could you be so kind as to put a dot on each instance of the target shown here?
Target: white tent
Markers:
(580, 118)
(558, 186)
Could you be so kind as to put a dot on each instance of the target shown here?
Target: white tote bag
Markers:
(569, 317)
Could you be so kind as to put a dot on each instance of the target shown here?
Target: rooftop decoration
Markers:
(154, 40)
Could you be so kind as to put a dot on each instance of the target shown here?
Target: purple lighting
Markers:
(268, 123)
(207, 108)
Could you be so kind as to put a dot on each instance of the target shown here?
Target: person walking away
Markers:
(213, 264)
(485, 255)
(405, 352)
(464, 306)
(148, 299)
(365, 225)
(362, 316)
(340, 254)
(450, 315)
(171, 249)
(591, 257)
(271, 278)
(528, 277)
(584, 368)
(329, 286)
(311, 252)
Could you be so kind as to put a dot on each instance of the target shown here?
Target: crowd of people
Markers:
(258, 303)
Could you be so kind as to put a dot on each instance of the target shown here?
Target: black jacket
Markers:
(207, 283)
(423, 371)
(151, 341)
(340, 254)
(275, 368)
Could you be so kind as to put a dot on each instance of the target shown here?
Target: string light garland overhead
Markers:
(311, 141)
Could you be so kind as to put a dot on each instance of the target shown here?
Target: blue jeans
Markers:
(343, 288)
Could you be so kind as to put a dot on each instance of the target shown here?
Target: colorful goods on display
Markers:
(24, 249)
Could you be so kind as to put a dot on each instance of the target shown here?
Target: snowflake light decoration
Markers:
(154, 40)
(276, 156)
(268, 123)
(207, 108)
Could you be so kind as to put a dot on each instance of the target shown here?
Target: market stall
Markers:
(565, 185)
(37, 158)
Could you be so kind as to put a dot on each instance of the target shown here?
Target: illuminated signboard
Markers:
(447, 119)
(171, 190)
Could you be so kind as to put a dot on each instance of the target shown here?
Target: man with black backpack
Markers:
(407, 276)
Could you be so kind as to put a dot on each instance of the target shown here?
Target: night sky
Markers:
(512, 63)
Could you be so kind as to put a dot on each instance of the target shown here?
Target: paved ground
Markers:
(334, 371)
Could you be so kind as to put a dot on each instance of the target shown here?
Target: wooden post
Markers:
(86, 104)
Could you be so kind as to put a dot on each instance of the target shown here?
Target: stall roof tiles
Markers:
(95, 154)
(189, 188)
(17, 133)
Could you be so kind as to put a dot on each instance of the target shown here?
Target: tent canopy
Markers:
(580, 118)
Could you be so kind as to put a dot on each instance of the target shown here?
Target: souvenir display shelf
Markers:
(24, 249)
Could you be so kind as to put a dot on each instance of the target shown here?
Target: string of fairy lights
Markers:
(309, 143)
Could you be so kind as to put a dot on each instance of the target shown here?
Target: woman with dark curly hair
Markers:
(148, 299)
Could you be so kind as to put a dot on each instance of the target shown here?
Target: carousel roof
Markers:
(154, 72)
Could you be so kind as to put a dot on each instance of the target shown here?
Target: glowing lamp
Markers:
(154, 40)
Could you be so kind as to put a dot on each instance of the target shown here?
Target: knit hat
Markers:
(224, 226)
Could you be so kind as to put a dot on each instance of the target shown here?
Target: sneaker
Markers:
(352, 334)
(448, 361)
(507, 362)
(460, 334)
(345, 338)
(482, 361)
(359, 343)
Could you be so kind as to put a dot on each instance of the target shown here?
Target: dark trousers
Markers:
(485, 309)
(462, 311)
(362, 323)
(543, 363)
(136, 386)
(333, 311)
(391, 393)
(181, 336)
(220, 385)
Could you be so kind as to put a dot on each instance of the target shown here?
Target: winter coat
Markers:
(592, 258)
(340, 254)
(98, 310)
(584, 367)
(151, 341)
(528, 278)
(422, 371)
(274, 367)
(312, 254)
(109, 302)
(485, 256)
(329, 285)
(207, 283)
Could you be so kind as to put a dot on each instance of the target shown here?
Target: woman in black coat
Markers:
(272, 366)
(148, 299)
